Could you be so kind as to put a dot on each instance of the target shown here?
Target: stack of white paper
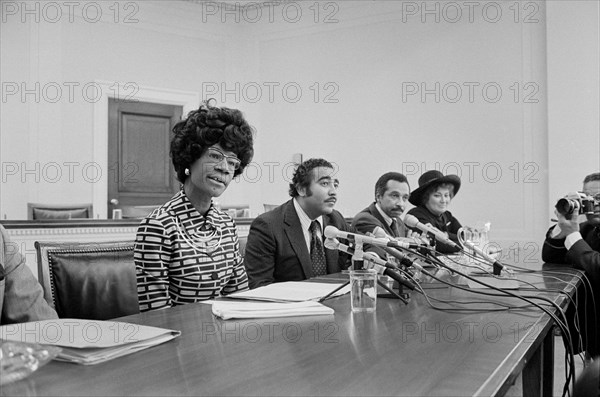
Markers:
(88, 341)
(291, 291)
(248, 309)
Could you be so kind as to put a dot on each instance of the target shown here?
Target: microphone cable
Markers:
(567, 339)
(560, 322)
(586, 284)
(490, 302)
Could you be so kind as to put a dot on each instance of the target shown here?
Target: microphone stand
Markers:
(403, 296)
(392, 294)
(357, 256)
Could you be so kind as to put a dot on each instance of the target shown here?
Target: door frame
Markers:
(189, 100)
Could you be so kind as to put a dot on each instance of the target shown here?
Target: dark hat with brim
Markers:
(432, 178)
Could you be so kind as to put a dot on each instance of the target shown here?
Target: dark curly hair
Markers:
(208, 126)
(302, 176)
(381, 184)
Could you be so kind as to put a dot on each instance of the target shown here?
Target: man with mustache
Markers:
(391, 195)
(286, 244)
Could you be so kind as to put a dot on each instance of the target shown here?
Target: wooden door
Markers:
(140, 175)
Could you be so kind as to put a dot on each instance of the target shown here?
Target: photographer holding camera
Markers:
(574, 243)
(578, 244)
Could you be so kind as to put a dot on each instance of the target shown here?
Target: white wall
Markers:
(497, 145)
(47, 140)
(573, 94)
(362, 57)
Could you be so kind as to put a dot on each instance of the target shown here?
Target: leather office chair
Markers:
(37, 211)
(94, 281)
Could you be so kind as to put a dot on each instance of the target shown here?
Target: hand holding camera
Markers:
(575, 203)
(568, 209)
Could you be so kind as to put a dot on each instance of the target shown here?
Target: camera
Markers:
(566, 206)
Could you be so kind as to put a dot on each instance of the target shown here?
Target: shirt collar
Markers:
(186, 205)
(305, 221)
(385, 216)
(440, 216)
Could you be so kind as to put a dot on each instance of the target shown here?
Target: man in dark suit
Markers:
(570, 242)
(286, 244)
(391, 195)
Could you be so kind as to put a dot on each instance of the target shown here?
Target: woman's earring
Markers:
(187, 171)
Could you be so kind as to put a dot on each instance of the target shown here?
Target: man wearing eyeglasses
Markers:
(578, 244)
(286, 244)
(571, 242)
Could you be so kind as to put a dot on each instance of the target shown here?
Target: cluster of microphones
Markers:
(398, 248)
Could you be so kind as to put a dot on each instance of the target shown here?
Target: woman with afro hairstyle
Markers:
(187, 250)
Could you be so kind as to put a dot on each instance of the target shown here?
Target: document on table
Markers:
(291, 291)
(88, 342)
(249, 309)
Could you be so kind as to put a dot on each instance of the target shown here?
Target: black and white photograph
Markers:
(300, 198)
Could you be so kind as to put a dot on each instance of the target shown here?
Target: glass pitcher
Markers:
(476, 235)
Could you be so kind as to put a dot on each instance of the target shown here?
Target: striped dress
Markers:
(183, 257)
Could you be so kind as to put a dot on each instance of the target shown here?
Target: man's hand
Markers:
(576, 199)
(417, 237)
(570, 223)
(567, 226)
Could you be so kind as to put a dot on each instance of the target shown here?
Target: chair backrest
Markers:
(237, 211)
(137, 211)
(270, 207)
(88, 280)
(243, 241)
(55, 211)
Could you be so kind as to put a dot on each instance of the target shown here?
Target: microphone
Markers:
(334, 244)
(334, 232)
(497, 266)
(380, 269)
(379, 265)
(378, 232)
(401, 256)
(412, 221)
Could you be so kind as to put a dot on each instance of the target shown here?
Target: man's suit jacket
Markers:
(370, 218)
(21, 296)
(277, 251)
(583, 255)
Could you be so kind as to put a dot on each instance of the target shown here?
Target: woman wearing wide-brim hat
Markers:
(434, 194)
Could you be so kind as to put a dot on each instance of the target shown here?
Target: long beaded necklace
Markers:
(200, 244)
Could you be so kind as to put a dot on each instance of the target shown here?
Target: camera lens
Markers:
(565, 206)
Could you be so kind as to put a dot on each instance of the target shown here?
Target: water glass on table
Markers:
(363, 290)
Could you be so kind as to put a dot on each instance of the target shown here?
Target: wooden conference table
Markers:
(398, 350)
